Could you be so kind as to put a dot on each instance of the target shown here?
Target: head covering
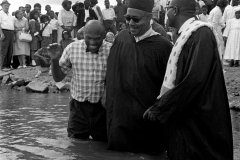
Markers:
(144, 5)
(5, 2)
(186, 7)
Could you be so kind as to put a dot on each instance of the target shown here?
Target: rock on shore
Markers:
(24, 80)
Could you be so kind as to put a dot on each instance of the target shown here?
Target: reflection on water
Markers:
(33, 126)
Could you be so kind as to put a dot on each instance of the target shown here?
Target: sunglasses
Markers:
(135, 19)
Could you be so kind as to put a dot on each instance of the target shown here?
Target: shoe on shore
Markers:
(33, 63)
(19, 67)
(24, 66)
(50, 72)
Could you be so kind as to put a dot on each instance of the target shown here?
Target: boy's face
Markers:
(197, 10)
(204, 11)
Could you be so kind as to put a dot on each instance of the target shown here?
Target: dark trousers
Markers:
(87, 119)
(40, 62)
(108, 24)
(54, 36)
(7, 48)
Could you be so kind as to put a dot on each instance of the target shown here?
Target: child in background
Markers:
(204, 16)
(231, 36)
(198, 11)
(80, 34)
(66, 39)
(54, 23)
(110, 37)
(46, 30)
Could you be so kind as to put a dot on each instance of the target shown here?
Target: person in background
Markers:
(34, 27)
(97, 9)
(110, 37)
(204, 16)
(84, 14)
(21, 49)
(6, 36)
(66, 19)
(135, 71)
(215, 18)
(45, 30)
(193, 102)
(229, 13)
(87, 59)
(209, 4)
(48, 10)
(198, 10)
(28, 9)
(21, 8)
(54, 23)
(231, 36)
(42, 59)
(120, 10)
(109, 18)
(66, 39)
(37, 7)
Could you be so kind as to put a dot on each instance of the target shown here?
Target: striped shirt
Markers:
(89, 70)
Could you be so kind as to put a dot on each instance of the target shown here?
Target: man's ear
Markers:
(176, 12)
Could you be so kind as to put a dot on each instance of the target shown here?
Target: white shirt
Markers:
(6, 21)
(108, 14)
(86, 14)
(54, 23)
(47, 31)
(149, 33)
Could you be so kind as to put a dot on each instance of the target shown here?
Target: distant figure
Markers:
(97, 9)
(54, 23)
(21, 49)
(6, 36)
(231, 36)
(110, 37)
(45, 30)
(204, 16)
(66, 39)
(67, 19)
(28, 9)
(120, 10)
(87, 59)
(42, 59)
(109, 18)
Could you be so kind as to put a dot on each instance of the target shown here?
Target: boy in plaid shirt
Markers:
(88, 60)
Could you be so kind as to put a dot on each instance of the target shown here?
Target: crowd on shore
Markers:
(140, 82)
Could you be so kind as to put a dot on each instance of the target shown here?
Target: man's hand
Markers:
(149, 115)
(2, 36)
(55, 51)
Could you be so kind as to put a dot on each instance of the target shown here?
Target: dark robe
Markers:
(196, 112)
(135, 72)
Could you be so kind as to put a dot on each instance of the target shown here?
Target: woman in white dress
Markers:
(232, 36)
(215, 18)
(66, 19)
(21, 49)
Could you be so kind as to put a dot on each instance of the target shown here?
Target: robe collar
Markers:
(186, 25)
(149, 33)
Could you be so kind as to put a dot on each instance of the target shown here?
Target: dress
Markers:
(232, 32)
(68, 19)
(21, 48)
(134, 75)
(34, 27)
(215, 18)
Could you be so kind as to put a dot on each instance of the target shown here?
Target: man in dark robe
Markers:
(196, 110)
(135, 70)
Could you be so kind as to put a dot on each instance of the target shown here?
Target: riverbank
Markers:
(24, 80)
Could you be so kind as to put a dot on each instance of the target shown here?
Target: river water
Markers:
(33, 127)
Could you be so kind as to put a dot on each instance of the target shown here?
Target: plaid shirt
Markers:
(89, 70)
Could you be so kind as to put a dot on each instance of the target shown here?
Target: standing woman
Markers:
(34, 27)
(21, 49)
(66, 19)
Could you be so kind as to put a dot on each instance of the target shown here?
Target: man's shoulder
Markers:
(203, 33)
